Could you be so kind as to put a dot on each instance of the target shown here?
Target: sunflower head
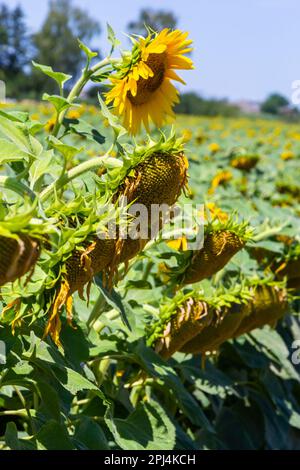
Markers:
(142, 91)
(222, 240)
(269, 304)
(188, 321)
(18, 256)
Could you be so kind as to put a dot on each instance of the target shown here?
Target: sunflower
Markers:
(143, 91)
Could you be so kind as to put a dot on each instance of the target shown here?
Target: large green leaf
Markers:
(147, 428)
(10, 152)
(156, 367)
(54, 436)
(90, 436)
(19, 135)
(59, 77)
(14, 442)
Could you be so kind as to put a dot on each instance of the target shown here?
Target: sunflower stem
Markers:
(78, 87)
(99, 326)
(27, 409)
(268, 233)
(78, 171)
(97, 310)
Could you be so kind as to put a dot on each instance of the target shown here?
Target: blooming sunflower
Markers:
(143, 91)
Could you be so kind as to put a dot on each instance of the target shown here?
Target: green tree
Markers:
(274, 103)
(56, 43)
(15, 48)
(192, 103)
(156, 19)
(4, 36)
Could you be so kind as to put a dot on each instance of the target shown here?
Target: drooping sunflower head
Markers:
(142, 90)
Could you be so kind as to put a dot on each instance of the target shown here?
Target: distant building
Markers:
(248, 107)
(289, 111)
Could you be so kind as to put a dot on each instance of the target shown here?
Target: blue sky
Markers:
(243, 48)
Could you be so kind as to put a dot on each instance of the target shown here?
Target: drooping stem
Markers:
(77, 171)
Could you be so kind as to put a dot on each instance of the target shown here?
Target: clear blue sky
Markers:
(243, 48)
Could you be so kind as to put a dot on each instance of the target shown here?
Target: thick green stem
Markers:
(23, 401)
(79, 170)
(268, 233)
(97, 310)
(22, 413)
(78, 87)
(99, 326)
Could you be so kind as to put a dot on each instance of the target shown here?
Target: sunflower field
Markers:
(149, 342)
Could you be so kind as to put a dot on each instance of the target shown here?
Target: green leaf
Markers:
(112, 38)
(90, 54)
(16, 116)
(90, 435)
(10, 152)
(157, 368)
(42, 165)
(12, 440)
(276, 428)
(68, 151)
(210, 381)
(270, 245)
(22, 368)
(295, 419)
(54, 436)
(20, 136)
(84, 129)
(106, 346)
(147, 428)
(35, 127)
(58, 102)
(247, 423)
(112, 120)
(114, 299)
(59, 77)
(274, 347)
(74, 382)
(11, 437)
(76, 345)
(50, 407)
